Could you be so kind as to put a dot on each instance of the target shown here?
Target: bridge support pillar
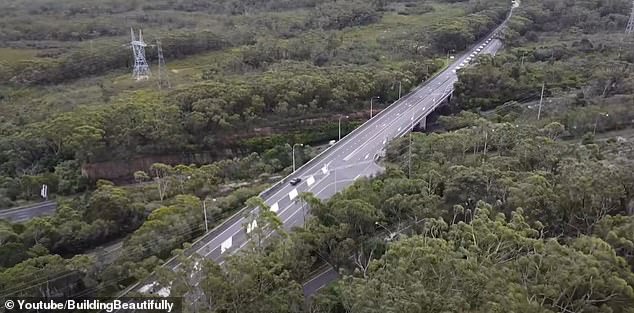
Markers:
(423, 123)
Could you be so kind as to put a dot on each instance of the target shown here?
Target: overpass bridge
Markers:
(335, 168)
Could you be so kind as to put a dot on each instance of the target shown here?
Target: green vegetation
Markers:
(516, 220)
(497, 211)
(241, 93)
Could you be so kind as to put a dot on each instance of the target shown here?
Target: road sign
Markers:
(226, 245)
(275, 207)
(293, 194)
(44, 191)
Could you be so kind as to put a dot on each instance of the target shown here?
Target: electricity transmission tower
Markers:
(630, 24)
(141, 69)
(163, 80)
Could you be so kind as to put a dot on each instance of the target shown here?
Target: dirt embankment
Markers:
(121, 171)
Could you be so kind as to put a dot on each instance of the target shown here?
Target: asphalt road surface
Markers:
(329, 275)
(343, 163)
(340, 165)
(25, 213)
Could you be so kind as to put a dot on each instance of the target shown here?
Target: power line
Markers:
(630, 24)
(163, 79)
(141, 69)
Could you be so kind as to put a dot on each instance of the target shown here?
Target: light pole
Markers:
(409, 157)
(448, 51)
(340, 125)
(297, 144)
(399, 89)
(596, 121)
(205, 213)
(371, 100)
(391, 234)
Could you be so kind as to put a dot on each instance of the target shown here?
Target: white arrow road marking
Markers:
(293, 194)
(310, 181)
(226, 245)
(275, 207)
(251, 226)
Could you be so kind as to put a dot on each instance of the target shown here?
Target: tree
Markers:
(114, 204)
(161, 173)
(251, 282)
(490, 265)
(618, 231)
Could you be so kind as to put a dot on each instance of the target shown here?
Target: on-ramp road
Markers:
(25, 213)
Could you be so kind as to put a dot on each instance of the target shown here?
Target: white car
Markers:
(478, 50)
(468, 59)
(472, 55)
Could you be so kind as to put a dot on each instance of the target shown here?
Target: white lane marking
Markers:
(371, 137)
(251, 226)
(212, 240)
(275, 207)
(310, 181)
(317, 276)
(226, 245)
(333, 153)
(293, 194)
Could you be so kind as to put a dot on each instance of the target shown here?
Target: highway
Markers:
(328, 275)
(337, 167)
(25, 213)
(345, 162)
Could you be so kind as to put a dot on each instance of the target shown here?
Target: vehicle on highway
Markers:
(295, 181)
(332, 142)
